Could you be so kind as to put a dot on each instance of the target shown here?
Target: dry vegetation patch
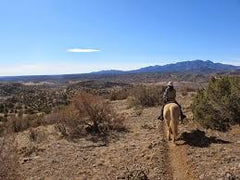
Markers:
(119, 94)
(146, 96)
(8, 159)
(89, 114)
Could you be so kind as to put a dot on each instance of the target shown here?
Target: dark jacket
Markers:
(169, 95)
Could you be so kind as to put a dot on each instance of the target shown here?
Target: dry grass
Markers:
(146, 96)
(18, 124)
(184, 89)
(119, 94)
(8, 159)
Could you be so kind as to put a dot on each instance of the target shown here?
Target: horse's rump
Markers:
(171, 115)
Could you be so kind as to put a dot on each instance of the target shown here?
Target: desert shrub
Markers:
(1, 129)
(18, 124)
(146, 96)
(32, 134)
(184, 93)
(119, 94)
(67, 121)
(2, 119)
(218, 106)
(8, 160)
(89, 114)
(184, 89)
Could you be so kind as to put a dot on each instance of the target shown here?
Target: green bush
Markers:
(218, 106)
(146, 96)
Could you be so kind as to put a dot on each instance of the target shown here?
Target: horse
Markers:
(171, 114)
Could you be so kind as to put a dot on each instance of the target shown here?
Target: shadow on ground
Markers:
(198, 138)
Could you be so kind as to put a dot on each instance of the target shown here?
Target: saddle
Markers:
(168, 102)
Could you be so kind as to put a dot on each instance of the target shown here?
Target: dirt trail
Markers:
(178, 163)
(178, 159)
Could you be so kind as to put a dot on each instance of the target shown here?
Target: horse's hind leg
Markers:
(169, 132)
(173, 139)
(174, 133)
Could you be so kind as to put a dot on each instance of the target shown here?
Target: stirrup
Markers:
(160, 118)
(183, 117)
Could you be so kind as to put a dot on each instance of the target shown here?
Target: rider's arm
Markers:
(165, 98)
(174, 94)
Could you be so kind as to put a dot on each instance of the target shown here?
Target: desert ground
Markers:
(140, 152)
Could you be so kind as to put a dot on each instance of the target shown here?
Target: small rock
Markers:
(100, 164)
(54, 161)
(85, 158)
(201, 176)
(228, 175)
(36, 157)
(26, 159)
(148, 157)
(150, 146)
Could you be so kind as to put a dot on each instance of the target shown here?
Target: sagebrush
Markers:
(89, 114)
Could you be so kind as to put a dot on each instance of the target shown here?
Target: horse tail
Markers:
(174, 114)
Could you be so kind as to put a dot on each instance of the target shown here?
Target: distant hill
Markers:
(111, 72)
(195, 67)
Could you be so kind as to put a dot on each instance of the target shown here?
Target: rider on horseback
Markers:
(169, 96)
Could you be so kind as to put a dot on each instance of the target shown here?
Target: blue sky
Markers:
(78, 36)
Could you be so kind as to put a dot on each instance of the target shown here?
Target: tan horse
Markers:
(171, 114)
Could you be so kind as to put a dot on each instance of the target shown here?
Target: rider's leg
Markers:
(181, 113)
(161, 115)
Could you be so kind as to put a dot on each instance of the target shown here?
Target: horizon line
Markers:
(80, 73)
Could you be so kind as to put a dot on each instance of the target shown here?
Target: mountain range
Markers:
(195, 66)
(191, 67)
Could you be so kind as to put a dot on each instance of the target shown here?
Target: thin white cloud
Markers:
(82, 50)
